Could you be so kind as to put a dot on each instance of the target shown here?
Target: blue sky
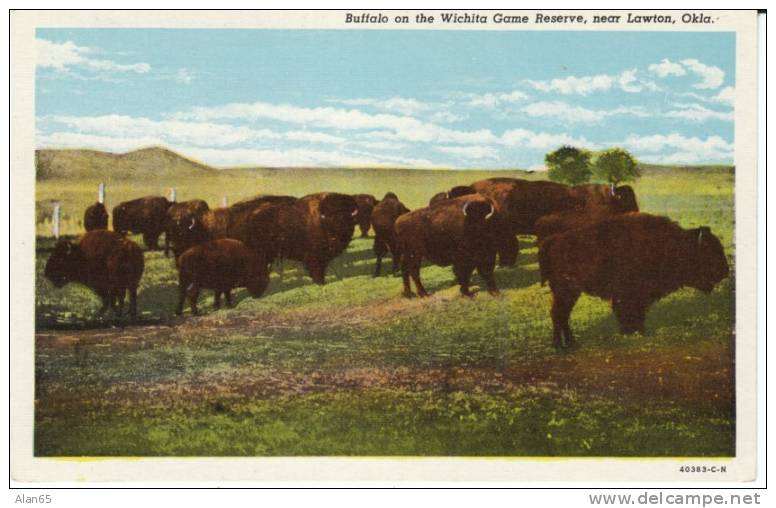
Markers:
(472, 99)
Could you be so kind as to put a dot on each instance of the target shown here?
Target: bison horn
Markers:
(492, 211)
(464, 208)
(193, 221)
(354, 212)
(611, 189)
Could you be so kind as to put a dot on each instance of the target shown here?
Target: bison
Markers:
(631, 259)
(519, 204)
(145, 215)
(238, 216)
(457, 191)
(220, 265)
(384, 217)
(602, 201)
(96, 217)
(183, 226)
(366, 203)
(458, 232)
(104, 261)
(313, 229)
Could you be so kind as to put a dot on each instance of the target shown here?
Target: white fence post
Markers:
(55, 216)
(224, 202)
(172, 194)
(101, 193)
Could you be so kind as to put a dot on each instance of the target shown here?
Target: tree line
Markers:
(574, 166)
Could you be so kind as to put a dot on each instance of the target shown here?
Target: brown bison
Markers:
(365, 203)
(146, 216)
(220, 265)
(313, 229)
(456, 232)
(602, 201)
(238, 217)
(519, 204)
(96, 217)
(384, 217)
(621, 199)
(183, 226)
(631, 259)
(457, 191)
(103, 261)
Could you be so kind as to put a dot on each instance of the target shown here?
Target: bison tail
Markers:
(545, 263)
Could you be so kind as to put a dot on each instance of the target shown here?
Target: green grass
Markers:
(351, 368)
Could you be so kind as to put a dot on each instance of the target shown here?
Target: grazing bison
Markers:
(366, 203)
(183, 226)
(146, 216)
(313, 229)
(238, 222)
(384, 217)
(519, 204)
(631, 259)
(96, 217)
(456, 232)
(103, 261)
(220, 265)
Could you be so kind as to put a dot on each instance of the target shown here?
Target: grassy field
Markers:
(351, 368)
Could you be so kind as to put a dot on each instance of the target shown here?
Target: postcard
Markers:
(385, 246)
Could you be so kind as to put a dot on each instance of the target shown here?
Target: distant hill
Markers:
(148, 163)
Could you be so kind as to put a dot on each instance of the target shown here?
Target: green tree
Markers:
(615, 165)
(569, 164)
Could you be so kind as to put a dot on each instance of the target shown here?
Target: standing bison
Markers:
(601, 202)
(366, 204)
(96, 217)
(458, 232)
(183, 226)
(633, 260)
(146, 216)
(103, 261)
(238, 215)
(313, 229)
(384, 217)
(220, 265)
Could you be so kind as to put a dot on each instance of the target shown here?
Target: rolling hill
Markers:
(146, 163)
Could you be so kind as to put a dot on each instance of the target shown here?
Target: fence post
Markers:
(224, 202)
(101, 193)
(172, 194)
(55, 216)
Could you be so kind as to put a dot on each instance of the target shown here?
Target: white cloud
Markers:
(61, 56)
(183, 76)
(567, 113)
(470, 152)
(725, 96)
(667, 68)
(712, 77)
(406, 107)
(698, 113)
(584, 85)
(491, 100)
(524, 138)
(678, 149)
(176, 131)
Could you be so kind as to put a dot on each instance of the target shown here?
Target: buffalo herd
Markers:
(592, 239)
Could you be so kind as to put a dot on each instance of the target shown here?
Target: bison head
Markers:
(460, 190)
(390, 195)
(625, 199)
(257, 278)
(708, 264)
(478, 211)
(63, 264)
(338, 217)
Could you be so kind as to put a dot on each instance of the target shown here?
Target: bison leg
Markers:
(562, 303)
(181, 297)
(166, 245)
(317, 270)
(508, 249)
(380, 249)
(228, 295)
(119, 301)
(133, 302)
(485, 269)
(630, 313)
(217, 299)
(463, 273)
(415, 274)
(106, 299)
(405, 274)
(151, 240)
(364, 229)
(193, 293)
